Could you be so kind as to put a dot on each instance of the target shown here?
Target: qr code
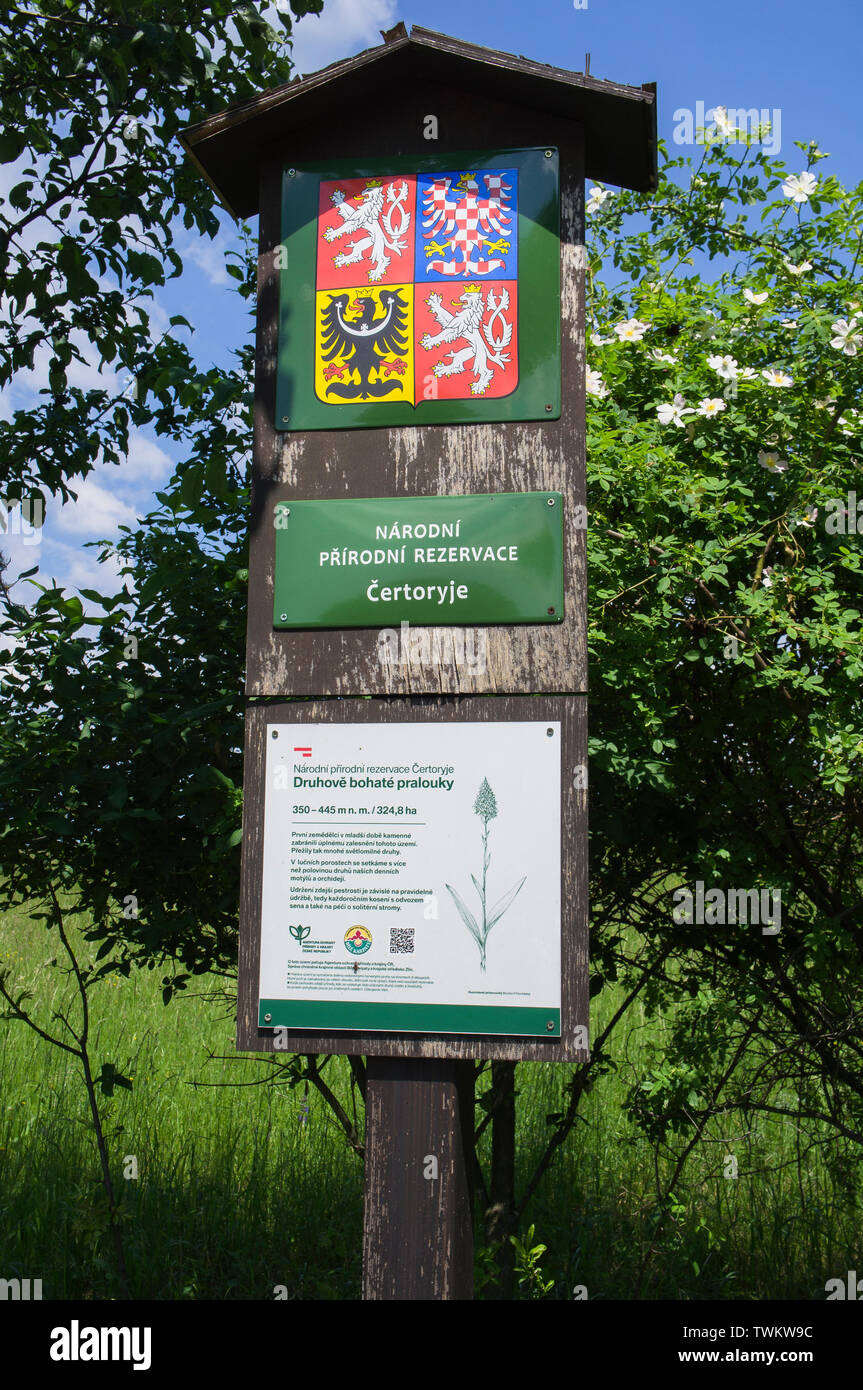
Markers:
(401, 941)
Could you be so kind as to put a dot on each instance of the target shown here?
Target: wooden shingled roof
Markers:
(619, 122)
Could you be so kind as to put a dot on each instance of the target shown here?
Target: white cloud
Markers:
(160, 320)
(89, 374)
(96, 513)
(209, 256)
(22, 547)
(343, 28)
(146, 461)
(69, 566)
(80, 569)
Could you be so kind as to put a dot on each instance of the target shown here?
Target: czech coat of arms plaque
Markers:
(423, 291)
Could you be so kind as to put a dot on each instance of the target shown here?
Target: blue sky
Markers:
(800, 62)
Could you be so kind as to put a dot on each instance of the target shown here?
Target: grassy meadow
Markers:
(240, 1190)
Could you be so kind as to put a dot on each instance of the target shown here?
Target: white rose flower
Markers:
(726, 367)
(659, 356)
(769, 459)
(596, 198)
(755, 298)
(800, 269)
(848, 337)
(673, 414)
(799, 187)
(774, 376)
(710, 407)
(632, 331)
(595, 385)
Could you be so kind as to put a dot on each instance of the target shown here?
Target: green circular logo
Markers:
(358, 940)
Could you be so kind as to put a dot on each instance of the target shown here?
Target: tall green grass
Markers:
(240, 1192)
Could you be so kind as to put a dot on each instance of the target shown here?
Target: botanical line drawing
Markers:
(485, 807)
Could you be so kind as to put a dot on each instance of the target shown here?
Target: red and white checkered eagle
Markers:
(460, 222)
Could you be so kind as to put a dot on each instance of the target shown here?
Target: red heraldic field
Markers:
(416, 287)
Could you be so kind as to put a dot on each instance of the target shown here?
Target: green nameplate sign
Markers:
(377, 562)
(420, 290)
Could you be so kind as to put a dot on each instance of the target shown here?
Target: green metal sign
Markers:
(377, 562)
(420, 290)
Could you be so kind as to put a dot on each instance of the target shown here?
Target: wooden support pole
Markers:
(418, 1229)
(500, 1218)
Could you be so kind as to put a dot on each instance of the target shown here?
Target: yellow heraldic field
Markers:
(364, 344)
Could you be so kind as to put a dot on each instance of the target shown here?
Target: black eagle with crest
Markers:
(362, 342)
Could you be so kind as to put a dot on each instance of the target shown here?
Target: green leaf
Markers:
(466, 914)
(503, 903)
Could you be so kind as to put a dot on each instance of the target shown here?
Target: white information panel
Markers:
(411, 878)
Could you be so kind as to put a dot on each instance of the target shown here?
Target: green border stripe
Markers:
(382, 1017)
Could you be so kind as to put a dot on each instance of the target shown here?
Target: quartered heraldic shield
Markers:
(418, 274)
(417, 287)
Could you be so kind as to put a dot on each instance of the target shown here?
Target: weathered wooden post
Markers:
(414, 833)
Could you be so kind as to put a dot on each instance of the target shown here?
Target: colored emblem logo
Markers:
(417, 287)
(358, 940)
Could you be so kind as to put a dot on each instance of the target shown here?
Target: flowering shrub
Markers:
(725, 608)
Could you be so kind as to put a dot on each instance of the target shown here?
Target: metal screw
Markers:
(285, 419)
(275, 733)
(283, 617)
(286, 510)
(549, 733)
(549, 406)
(549, 153)
(550, 1025)
(551, 501)
(268, 1018)
(292, 173)
(551, 612)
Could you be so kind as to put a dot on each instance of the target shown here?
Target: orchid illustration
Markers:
(485, 807)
